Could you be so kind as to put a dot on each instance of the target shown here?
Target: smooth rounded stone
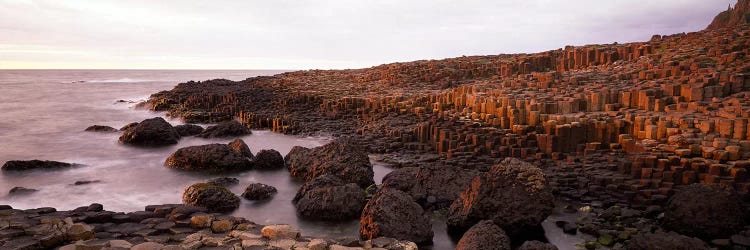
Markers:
(484, 235)
(662, 240)
(151, 132)
(224, 181)
(704, 211)
(259, 191)
(100, 128)
(201, 221)
(392, 213)
(317, 244)
(120, 244)
(222, 226)
(225, 129)
(239, 146)
(148, 246)
(21, 191)
(214, 198)
(536, 245)
(269, 159)
(95, 207)
(210, 158)
(342, 158)
(129, 125)
(432, 186)
(34, 164)
(514, 194)
(188, 129)
(329, 198)
(280, 231)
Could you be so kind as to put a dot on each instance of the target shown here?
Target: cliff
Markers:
(738, 15)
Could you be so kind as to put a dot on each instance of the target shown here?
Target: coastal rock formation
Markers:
(259, 191)
(329, 198)
(214, 198)
(211, 158)
(514, 194)
(151, 132)
(269, 159)
(100, 128)
(662, 240)
(129, 125)
(704, 211)
(21, 191)
(484, 235)
(732, 17)
(34, 164)
(240, 147)
(392, 213)
(188, 129)
(341, 158)
(225, 129)
(224, 181)
(431, 186)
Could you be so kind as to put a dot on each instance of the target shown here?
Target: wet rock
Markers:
(341, 158)
(241, 148)
(704, 211)
(259, 191)
(79, 183)
(431, 186)
(34, 164)
(662, 240)
(536, 245)
(269, 159)
(80, 231)
(100, 128)
(221, 226)
(210, 158)
(281, 231)
(214, 198)
(129, 125)
(484, 235)
(21, 191)
(392, 213)
(188, 129)
(329, 198)
(224, 181)
(151, 132)
(514, 194)
(225, 129)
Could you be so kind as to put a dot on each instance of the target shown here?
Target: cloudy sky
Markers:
(285, 34)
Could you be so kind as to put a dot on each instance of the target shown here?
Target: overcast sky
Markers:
(282, 34)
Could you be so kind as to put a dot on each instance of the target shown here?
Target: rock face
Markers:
(514, 194)
(732, 17)
(392, 213)
(704, 211)
(431, 186)
(484, 235)
(211, 158)
(259, 191)
(329, 198)
(34, 164)
(188, 129)
(225, 129)
(662, 240)
(100, 128)
(214, 198)
(151, 132)
(341, 158)
(269, 159)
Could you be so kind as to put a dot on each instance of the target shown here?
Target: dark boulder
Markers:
(329, 198)
(225, 129)
(536, 245)
(129, 125)
(704, 211)
(485, 235)
(188, 129)
(34, 164)
(662, 240)
(240, 147)
(100, 128)
(151, 132)
(21, 191)
(224, 181)
(85, 182)
(211, 158)
(259, 191)
(514, 194)
(341, 158)
(269, 159)
(212, 197)
(392, 213)
(433, 187)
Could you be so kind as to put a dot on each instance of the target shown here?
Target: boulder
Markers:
(211, 158)
(34, 164)
(329, 198)
(224, 181)
(433, 187)
(662, 240)
(129, 125)
(392, 213)
(513, 194)
(341, 158)
(100, 128)
(225, 129)
(188, 129)
(259, 191)
(212, 197)
(704, 211)
(151, 132)
(536, 245)
(484, 235)
(281, 231)
(269, 159)
(21, 191)
(241, 147)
